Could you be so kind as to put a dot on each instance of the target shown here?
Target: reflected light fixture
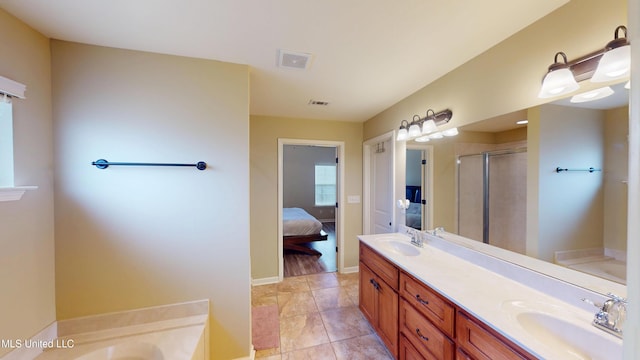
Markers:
(522, 122)
(592, 95)
(421, 128)
(559, 79)
(628, 85)
(616, 60)
(607, 64)
(450, 132)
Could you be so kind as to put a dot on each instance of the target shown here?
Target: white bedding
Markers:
(296, 221)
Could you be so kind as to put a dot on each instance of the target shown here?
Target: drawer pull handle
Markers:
(423, 302)
(375, 284)
(421, 336)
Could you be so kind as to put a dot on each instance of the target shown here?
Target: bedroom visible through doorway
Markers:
(310, 185)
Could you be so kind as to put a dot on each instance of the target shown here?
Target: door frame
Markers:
(367, 146)
(339, 145)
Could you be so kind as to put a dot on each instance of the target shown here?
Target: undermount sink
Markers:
(562, 332)
(399, 247)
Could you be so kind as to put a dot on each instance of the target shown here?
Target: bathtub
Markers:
(610, 269)
(170, 332)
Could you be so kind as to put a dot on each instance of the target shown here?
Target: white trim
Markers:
(339, 145)
(350, 270)
(14, 193)
(265, 281)
(12, 88)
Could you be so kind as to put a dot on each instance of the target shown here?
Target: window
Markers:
(6, 142)
(9, 90)
(325, 185)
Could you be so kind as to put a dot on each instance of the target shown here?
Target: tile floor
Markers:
(319, 319)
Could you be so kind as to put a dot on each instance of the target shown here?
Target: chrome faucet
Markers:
(611, 314)
(416, 239)
(437, 230)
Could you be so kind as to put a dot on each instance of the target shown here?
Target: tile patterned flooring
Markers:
(319, 319)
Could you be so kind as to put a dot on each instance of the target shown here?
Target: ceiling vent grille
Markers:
(318, 102)
(294, 60)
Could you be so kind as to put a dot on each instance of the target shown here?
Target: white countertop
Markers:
(492, 297)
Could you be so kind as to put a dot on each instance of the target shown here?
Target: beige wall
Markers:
(265, 132)
(571, 204)
(504, 79)
(27, 297)
(130, 237)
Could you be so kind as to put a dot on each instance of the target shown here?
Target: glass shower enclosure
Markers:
(492, 198)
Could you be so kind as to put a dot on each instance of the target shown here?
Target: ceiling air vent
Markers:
(293, 60)
(318, 102)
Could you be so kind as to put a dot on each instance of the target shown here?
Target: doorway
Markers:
(310, 178)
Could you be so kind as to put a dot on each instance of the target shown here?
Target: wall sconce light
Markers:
(611, 63)
(424, 129)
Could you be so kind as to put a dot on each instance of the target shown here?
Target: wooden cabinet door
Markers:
(368, 294)
(480, 344)
(388, 317)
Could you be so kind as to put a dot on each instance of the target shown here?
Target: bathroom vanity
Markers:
(426, 303)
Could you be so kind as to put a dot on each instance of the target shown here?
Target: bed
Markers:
(299, 227)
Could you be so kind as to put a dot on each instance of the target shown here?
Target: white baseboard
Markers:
(252, 355)
(351, 269)
(265, 281)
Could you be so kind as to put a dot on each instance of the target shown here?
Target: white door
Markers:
(382, 187)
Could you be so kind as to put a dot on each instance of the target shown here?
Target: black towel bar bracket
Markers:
(559, 169)
(103, 164)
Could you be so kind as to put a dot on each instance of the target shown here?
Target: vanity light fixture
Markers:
(592, 95)
(403, 133)
(607, 64)
(421, 128)
(616, 60)
(414, 128)
(559, 80)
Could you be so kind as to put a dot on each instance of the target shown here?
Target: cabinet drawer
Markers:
(480, 343)
(428, 303)
(384, 269)
(424, 336)
(408, 352)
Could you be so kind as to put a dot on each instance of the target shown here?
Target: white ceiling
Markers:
(367, 54)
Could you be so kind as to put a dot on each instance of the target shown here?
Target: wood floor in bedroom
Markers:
(296, 264)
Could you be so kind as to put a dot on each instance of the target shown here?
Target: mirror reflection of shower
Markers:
(492, 197)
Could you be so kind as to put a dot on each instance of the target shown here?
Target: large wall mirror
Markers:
(553, 188)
